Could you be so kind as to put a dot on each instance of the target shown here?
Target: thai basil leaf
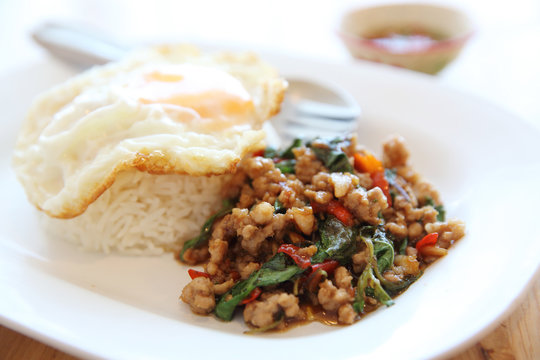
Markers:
(275, 271)
(206, 229)
(338, 242)
(361, 287)
(288, 153)
(231, 299)
(441, 216)
(286, 166)
(334, 159)
(277, 262)
(368, 283)
(441, 213)
(380, 294)
(403, 246)
(279, 208)
(383, 250)
(270, 153)
(391, 287)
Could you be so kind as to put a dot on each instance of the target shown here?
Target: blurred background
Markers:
(499, 63)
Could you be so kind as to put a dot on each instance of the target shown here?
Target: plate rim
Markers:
(518, 299)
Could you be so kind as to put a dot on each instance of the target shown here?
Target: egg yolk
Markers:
(219, 99)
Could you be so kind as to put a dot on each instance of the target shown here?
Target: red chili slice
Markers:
(341, 213)
(335, 208)
(429, 239)
(195, 274)
(327, 265)
(258, 153)
(379, 180)
(252, 296)
(291, 250)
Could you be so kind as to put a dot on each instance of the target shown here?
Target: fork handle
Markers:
(77, 45)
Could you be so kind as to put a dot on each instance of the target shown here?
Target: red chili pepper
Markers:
(340, 212)
(379, 180)
(327, 265)
(291, 250)
(252, 296)
(335, 208)
(429, 239)
(195, 274)
(258, 153)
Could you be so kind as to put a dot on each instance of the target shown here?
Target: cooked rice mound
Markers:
(143, 213)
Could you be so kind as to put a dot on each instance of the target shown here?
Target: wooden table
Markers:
(517, 337)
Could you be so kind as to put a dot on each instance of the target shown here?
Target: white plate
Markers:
(484, 161)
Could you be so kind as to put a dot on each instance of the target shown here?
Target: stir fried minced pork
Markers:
(322, 230)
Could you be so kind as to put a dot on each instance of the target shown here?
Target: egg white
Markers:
(133, 114)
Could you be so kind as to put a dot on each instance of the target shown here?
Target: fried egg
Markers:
(163, 110)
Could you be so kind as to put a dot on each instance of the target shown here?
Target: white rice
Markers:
(143, 213)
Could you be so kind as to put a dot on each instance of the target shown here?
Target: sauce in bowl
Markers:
(404, 42)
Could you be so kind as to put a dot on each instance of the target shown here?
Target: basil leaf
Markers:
(206, 229)
(231, 299)
(270, 153)
(275, 271)
(334, 159)
(331, 154)
(403, 246)
(279, 208)
(359, 302)
(441, 213)
(288, 153)
(369, 284)
(383, 251)
(286, 166)
(441, 216)
(383, 248)
(338, 242)
(392, 287)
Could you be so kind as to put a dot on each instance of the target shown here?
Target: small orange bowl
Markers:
(419, 37)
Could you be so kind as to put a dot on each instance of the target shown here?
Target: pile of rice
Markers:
(143, 213)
